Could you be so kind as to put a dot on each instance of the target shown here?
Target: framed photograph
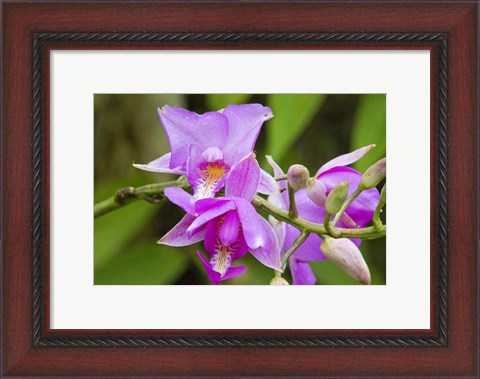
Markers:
(247, 130)
(199, 189)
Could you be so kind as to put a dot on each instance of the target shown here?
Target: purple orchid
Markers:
(335, 169)
(311, 207)
(229, 225)
(206, 147)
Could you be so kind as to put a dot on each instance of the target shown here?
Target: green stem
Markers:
(329, 227)
(377, 222)
(127, 195)
(292, 212)
(296, 244)
(345, 205)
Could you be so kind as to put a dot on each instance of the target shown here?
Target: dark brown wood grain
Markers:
(459, 358)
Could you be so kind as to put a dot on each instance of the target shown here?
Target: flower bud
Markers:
(374, 174)
(278, 281)
(298, 176)
(317, 192)
(336, 198)
(346, 255)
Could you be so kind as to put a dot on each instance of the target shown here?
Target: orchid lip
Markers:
(211, 178)
(222, 258)
(223, 253)
(227, 229)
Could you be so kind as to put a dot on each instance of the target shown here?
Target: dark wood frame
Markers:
(448, 30)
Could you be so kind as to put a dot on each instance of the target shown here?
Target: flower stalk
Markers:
(150, 192)
(331, 231)
(368, 233)
(377, 222)
(296, 244)
(156, 191)
(292, 212)
(345, 205)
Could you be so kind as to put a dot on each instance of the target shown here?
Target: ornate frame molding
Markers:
(315, 39)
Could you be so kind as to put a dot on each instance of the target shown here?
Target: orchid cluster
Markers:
(308, 217)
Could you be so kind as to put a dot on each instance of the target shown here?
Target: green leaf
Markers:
(143, 264)
(127, 129)
(293, 113)
(369, 127)
(217, 101)
(256, 274)
(374, 253)
(113, 230)
(328, 273)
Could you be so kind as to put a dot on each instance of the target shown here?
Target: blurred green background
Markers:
(307, 128)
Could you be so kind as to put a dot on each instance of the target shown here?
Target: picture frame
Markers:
(447, 29)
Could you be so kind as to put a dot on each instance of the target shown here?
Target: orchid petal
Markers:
(181, 198)
(267, 185)
(278, 226)
(282, 184)
(251, 224)
(217, 209)
(215, 277)
(177, 236)
(362, 208)
(259, 234)
(244, 124)
(307, 209)
(278, 201)
(277, 171)
(347, 220)
(203, 205)
(184, 128)
(302, 273)
(269, 252)
(243, 179)
(161, 165)
(194, 160)
(280, 229)
(345, 159)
